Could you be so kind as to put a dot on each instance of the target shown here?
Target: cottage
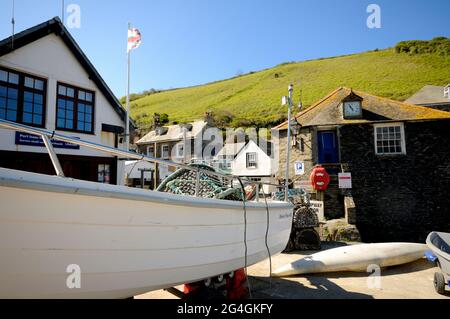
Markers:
(182, 143)
(224, 159)
(46, 81)
(437, 97)
(398, 155)
(252, 162)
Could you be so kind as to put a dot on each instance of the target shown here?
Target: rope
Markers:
(245, 238)
(266, 240)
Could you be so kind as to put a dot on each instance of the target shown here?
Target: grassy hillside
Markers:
(255, 99)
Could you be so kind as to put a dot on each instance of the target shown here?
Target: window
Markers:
(104, 173)
(251, 160)
(165, 151)
(151, 151)
(75, 109)
(22, 98)
(389, 139)
(180, 150)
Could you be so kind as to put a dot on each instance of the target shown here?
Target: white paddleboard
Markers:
(354, 258)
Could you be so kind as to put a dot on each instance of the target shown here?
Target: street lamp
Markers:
(296, 130)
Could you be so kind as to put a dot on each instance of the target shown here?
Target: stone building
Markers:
(397, 153)
(182, 143)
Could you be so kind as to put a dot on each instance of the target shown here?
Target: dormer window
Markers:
(352, 106)
(160, 130)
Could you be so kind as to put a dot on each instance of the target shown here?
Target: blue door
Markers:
(327, 146)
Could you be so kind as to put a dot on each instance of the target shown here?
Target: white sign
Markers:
(317, 206)
(306, 185)
(299, 168)
(345, 180)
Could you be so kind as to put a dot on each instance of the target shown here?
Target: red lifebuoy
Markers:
(319, 178)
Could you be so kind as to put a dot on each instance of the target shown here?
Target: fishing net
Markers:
(183, 182)
(305, 220)
(296, 196)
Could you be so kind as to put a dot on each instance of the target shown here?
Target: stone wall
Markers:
(401, 197)
(305, 150)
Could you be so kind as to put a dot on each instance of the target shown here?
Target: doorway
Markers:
(328, 152)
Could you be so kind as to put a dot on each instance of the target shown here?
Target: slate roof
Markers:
(173, 133)
(55, 26)
(231, 149)
(328, 111)
(429, 95)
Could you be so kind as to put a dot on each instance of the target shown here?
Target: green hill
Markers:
(255, 98)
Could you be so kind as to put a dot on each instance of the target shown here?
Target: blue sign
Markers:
(34, 140)
(299, 168)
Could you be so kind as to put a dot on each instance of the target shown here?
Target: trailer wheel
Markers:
(439, 283)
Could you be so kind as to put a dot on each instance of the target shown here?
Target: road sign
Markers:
(299, 168)
(345, 180)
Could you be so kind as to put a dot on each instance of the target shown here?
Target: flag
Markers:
(134, 39)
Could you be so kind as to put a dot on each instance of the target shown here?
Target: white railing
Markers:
(48, 135)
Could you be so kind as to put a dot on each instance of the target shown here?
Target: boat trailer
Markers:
(232, 286)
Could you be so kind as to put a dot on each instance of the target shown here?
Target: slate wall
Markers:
(401, 197)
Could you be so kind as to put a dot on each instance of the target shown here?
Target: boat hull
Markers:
(439, 243)
(124, 241)
(354, 258)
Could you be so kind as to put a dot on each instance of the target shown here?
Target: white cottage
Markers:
(252, 162)
(46, 81)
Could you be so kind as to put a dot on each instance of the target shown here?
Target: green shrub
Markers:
(440, 45)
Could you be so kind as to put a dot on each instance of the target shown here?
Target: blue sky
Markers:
(189, 42)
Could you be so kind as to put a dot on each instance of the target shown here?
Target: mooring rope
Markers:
(245, 238)
(266, 239)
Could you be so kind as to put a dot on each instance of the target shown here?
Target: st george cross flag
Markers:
(134, 39)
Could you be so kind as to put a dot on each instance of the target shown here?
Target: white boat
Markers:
(354, 258)
(125, 241)
(439, 243)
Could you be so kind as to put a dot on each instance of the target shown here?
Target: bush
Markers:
(222, 118)
(440, 45)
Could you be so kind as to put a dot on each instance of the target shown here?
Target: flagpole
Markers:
(127, 117)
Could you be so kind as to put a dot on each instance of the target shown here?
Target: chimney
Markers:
(208, 117)
(156, 120)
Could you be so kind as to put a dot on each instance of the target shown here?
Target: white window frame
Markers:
(180, 154)
(248, 161)
(104, 173)
(163, 155)
(402, 138)
(151, 154)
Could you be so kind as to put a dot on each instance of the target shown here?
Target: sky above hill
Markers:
(190, 42)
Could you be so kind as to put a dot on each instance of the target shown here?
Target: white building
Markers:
(247, 160)
(46, 81)
(226, 156)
